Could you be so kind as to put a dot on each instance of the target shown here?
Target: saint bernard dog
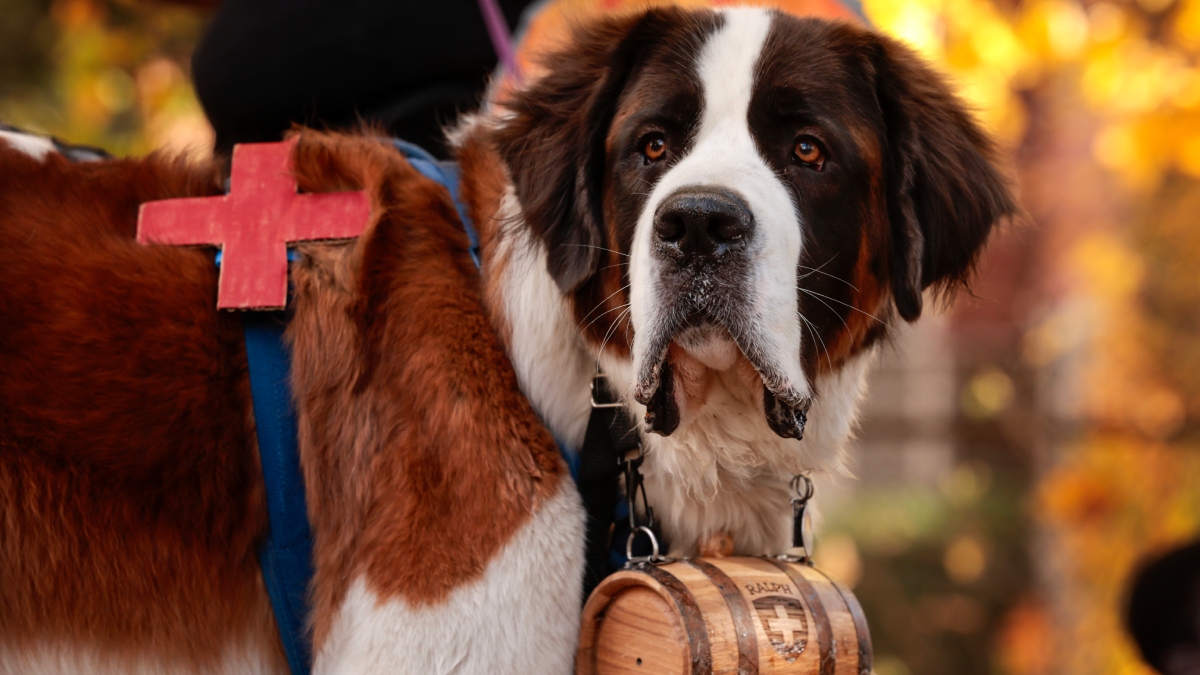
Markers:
(723, 211)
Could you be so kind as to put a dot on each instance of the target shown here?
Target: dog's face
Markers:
(747, 197)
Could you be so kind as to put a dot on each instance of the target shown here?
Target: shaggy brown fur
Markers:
(413, 420)
(130, 491)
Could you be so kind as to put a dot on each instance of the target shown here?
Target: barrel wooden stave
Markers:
(723, 616)
(723, 635)
(842, 623)
(647, 615)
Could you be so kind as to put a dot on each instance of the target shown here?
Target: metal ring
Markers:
(596, 404)
(626, 459)
(805, 494)
(653, 545)
(606, 406)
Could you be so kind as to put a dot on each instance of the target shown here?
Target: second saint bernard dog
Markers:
(723, 210)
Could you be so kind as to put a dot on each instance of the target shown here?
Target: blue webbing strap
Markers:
(286, 555)
(446, 175)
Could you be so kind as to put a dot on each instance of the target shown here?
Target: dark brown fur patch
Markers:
(908, 196)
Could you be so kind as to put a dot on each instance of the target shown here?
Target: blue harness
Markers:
(286, 554)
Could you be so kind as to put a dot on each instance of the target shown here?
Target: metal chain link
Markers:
(635, 488)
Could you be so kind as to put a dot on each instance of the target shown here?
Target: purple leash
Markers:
(501, 38)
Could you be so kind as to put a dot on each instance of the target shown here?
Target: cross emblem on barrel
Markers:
(785, 623)
(254, 223)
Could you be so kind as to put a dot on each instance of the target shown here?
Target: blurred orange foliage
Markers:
(1129, 484)
(117, 78)
(1112, 320)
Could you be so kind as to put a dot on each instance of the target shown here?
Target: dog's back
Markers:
(130, 489)
(131, 498)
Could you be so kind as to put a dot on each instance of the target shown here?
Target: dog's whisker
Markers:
(598, 248)
(818, 270)
(868, 314)
(823, 265)
(827, 274)
(601, 303)
(601, 316)
(816, 334)
(833, 311)
(612, 329)
(609, 267)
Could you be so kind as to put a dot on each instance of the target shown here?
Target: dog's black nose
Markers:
(702, 223)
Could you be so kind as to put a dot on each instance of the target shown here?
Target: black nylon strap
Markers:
(610, 434)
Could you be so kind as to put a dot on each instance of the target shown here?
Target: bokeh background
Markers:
(1021, 452)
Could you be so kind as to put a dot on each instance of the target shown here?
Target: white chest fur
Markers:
(520, 617)
(725, 470)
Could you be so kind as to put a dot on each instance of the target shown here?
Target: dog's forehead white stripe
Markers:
(725, 155)
(727, 64)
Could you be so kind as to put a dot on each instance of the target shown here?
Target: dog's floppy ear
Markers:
(944, 191)
(554, 147)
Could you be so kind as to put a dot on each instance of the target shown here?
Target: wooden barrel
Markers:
(723, 615)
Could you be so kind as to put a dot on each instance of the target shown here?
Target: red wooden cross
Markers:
(254, 223)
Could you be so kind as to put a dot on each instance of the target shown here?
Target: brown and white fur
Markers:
(448, 538)
(447, 533)
(788, 316)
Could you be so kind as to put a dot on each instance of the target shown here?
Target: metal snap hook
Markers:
(654, 556)
(803, 488)
(802, 528)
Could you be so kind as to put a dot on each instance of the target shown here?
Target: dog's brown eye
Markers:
(655, 148)
(807, 152)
